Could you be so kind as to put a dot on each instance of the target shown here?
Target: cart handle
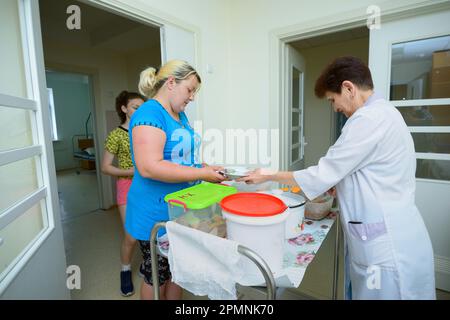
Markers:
(179, 202)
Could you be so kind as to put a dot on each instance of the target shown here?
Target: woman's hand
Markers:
(211, 174)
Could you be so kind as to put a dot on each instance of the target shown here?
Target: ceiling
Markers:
(99, 29)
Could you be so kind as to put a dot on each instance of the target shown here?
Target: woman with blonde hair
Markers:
(164, 150)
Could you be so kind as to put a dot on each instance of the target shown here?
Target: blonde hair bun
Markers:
(151, 81)
(147, 81)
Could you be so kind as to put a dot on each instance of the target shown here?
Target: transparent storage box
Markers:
(197, 207)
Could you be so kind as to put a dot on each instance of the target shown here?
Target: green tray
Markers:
(200, 196)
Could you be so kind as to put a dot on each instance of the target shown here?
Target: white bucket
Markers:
(264, 233)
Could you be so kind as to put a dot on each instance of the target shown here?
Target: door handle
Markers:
(304, 142)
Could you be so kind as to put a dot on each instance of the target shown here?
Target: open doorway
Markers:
(111, 50)
(321, 127)
(71, 109)
(86, 69)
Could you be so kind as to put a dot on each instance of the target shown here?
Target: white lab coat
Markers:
(372, 165)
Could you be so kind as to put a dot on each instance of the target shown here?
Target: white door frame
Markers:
(279, 39)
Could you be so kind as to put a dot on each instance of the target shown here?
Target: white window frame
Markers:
(443, 102)
(419, 102)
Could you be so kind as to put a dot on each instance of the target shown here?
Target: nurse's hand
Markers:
(256, 176)
(211, 174)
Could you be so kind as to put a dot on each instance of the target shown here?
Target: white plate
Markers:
(237, 172)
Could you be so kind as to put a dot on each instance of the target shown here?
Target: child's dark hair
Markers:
(122, 100)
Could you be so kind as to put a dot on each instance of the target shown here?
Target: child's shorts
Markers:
(122, 187)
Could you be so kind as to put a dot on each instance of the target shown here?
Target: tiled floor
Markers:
(78, 192)
(92, 240)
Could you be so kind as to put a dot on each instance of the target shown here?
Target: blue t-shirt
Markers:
(145, 199)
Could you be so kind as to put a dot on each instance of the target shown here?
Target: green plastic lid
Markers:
(200, 196)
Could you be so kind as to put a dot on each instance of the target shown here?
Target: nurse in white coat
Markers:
(372, 164)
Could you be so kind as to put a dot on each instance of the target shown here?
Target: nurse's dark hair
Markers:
(122, 100)
(344, 68)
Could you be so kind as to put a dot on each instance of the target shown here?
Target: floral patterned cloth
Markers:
(300, 251)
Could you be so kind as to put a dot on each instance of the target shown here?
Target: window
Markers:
(420, 89)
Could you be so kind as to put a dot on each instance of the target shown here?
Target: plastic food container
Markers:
(196, 207)
(319, 208)
(296, 211)
(257, 221)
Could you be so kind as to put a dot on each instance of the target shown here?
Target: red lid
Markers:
(253, 204)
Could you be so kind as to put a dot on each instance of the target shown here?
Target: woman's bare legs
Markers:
(173, 291)
(147, 291)
(168, 291)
